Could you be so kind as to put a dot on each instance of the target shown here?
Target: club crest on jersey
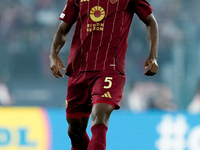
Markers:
(113, 1)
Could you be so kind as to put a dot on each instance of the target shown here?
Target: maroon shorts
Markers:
(88, 88)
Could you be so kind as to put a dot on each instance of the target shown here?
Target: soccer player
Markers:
(96, 62)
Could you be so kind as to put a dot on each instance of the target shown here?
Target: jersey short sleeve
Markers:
(143, 9)
(70, 12)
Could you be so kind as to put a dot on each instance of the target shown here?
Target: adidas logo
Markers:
(107, 94)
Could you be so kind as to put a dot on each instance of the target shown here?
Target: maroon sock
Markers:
(85, 140)
(98, 140)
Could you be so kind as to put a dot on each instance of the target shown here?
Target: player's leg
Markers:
(78, 109)
(106, 94)
(77, 133)
(99, 122)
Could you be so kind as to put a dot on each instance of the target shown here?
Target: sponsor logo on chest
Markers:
(97, 14)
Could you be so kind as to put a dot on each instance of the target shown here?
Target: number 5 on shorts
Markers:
(108, 79)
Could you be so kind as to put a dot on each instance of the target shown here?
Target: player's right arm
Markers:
(58, 42)
(68, 17)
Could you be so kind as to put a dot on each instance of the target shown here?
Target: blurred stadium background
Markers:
(157, 113)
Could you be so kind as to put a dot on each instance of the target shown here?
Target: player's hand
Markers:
(151, 67)
(55, 65)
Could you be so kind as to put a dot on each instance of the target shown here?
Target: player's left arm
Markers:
(151, 64)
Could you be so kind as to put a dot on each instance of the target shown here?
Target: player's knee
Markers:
(76, 132)
(100, 118)
(77, 126)
(101, 113)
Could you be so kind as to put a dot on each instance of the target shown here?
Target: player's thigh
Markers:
(78, 102)
(108, 88)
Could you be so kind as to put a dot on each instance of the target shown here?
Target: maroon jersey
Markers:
(101, 34)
